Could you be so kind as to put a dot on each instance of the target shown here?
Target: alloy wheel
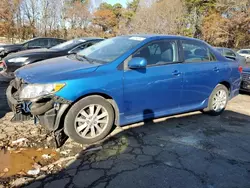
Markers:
(219, 100)
(91, 121)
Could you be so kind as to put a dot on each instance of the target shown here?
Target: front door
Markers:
(154, 90)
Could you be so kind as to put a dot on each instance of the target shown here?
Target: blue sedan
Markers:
(123, 80)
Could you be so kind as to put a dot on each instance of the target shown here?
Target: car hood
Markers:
(55, 70)
(30, 53)
(11, 46)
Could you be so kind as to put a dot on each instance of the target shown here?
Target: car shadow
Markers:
(135, 146)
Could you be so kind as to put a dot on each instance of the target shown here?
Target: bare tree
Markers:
(31, 11)
(161, 17)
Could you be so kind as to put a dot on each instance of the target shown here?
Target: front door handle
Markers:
(176, 73)
(216, 69)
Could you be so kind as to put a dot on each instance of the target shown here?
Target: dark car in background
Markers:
(19, 59)
(245, 84)
(30, 44)
(229, 53)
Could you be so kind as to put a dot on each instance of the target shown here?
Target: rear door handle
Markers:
(216, 69)
(176, 73)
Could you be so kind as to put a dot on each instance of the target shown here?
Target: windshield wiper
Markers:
(80, 57)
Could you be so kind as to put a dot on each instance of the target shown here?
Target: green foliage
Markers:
(132, 6)
(105, 6)
(117, 8)
(200, 5)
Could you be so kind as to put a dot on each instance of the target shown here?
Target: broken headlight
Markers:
(32, 91)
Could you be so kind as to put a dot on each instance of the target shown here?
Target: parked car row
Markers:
(119, 81)
(242, 57)
(19, 59)
(245, 53)
(30, 44)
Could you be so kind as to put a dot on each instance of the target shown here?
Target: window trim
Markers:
(124, 64)
(197, 42)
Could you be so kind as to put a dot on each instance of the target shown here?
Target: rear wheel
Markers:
(89, 120)
(217, 100)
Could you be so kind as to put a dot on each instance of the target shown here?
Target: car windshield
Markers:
(67, 45)
(110, 49)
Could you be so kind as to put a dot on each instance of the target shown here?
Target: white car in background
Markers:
(245, 53)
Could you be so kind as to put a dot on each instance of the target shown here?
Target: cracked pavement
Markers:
(188, 150)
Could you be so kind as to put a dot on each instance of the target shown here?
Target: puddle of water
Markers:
(22, 160)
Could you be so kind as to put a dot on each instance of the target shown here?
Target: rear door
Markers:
(202, 72)
(154, 90)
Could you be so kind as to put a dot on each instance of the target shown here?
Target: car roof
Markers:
(47, 38)
(89, 38)
(162, 36)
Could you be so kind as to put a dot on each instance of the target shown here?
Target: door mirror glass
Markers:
(137, 63)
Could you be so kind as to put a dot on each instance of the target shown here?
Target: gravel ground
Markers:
(189, 150)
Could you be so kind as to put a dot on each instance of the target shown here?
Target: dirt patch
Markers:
(19, 162)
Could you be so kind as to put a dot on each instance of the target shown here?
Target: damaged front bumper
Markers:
(47, 110)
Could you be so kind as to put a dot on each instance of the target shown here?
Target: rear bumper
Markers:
(47, 110)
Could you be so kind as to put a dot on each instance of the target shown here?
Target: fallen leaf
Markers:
(5, 170)
(33, 172)
(46, 156)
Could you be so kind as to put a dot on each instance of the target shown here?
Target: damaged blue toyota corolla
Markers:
(123, 80)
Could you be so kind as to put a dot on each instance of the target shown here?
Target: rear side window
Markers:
(159, 52)
(196, 52)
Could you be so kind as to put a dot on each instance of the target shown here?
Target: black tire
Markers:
(69, 122)
(210, 110)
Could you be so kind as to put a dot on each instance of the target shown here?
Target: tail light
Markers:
(240, 68)
(3, 65)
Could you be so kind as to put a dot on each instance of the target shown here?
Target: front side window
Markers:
(159, 52)
(54, 42)
(44, 43)
(196, 52)
(110, 49)
(38, 43)
(32, 43)
(229, 53)
(81, 47)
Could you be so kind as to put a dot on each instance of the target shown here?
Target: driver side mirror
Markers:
(137, 63)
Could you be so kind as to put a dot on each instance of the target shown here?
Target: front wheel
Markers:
(217, 100)
(89, 120)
